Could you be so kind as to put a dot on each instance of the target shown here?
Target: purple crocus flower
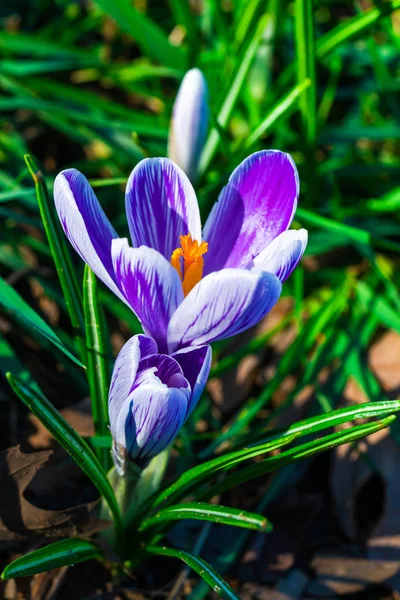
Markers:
(151, 396)
(185, 291)
(189, 123)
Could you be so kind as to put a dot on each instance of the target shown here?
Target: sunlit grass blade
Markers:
(305, 62)
(378, 305)
(243, 64)
(204, 472)
(353, 27)
(61, 256)
(207, 512)
(19, 310)
(297, 453)
(97, 368)
(280, 110)
(69, 439)
(60, 554)
(201, 567)
(354, 234)
(148, 35)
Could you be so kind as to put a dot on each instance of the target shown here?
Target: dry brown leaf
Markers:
(22, 521)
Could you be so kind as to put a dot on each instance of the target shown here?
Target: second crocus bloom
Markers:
(189, 123)
(151, 396)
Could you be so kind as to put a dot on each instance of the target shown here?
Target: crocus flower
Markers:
(189, 123)
(185, 288)
(151, 396)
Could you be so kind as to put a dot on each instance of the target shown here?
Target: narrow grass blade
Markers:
(61, 257)
(148, 35)
(297, 453)
(305, 61)
(60, 554)
(69, 439)
(201, 567)
(243, 66)
(354, 234)
(208, 512)
(204, 472)
(378, 305)
(19, 310)
(97, 371)
(280, 110)
(353, 27)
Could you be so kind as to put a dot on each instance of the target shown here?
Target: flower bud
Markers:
(189, 123)
(151, 396)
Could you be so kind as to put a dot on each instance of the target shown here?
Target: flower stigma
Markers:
(193, 262)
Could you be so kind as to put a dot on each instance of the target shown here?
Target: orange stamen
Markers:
(192, 254)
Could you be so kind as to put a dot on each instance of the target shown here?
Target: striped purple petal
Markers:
(137, 348)
(85, 224)
(257, 205)
(195, 362)
(282, 255)
(150, 285)
(149, 420)
(161, 205)
(222, 305)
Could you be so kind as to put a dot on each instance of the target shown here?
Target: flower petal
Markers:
(282, 255)
(161, 205)
(189, 123)
(150, 420)
(150, 285)
(166, 369)
(85, 224)
(258, 203)
(221, 305)
(195, 362)
(137, 348)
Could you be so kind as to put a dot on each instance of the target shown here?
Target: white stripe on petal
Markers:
(221, 305)
(282, 255)
(150, 285)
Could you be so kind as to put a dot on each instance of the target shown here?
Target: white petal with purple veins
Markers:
(222, 305)
(195, 362)
(150, 285)
(149, 420)
(282, 255)
(85, 224)
(161, 205)
(125, 369)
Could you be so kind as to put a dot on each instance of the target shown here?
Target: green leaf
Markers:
(97, 368)
(60, 554)
(353, 27)
(242, 67)
(353, 234)
(208, 512)
(281, 109)
(19, 310)
(305, 62)
(148, 35)
(61, 255)
(201, 567)
(69, 439)
(378, 305)
(297, 453)
(204, 472)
